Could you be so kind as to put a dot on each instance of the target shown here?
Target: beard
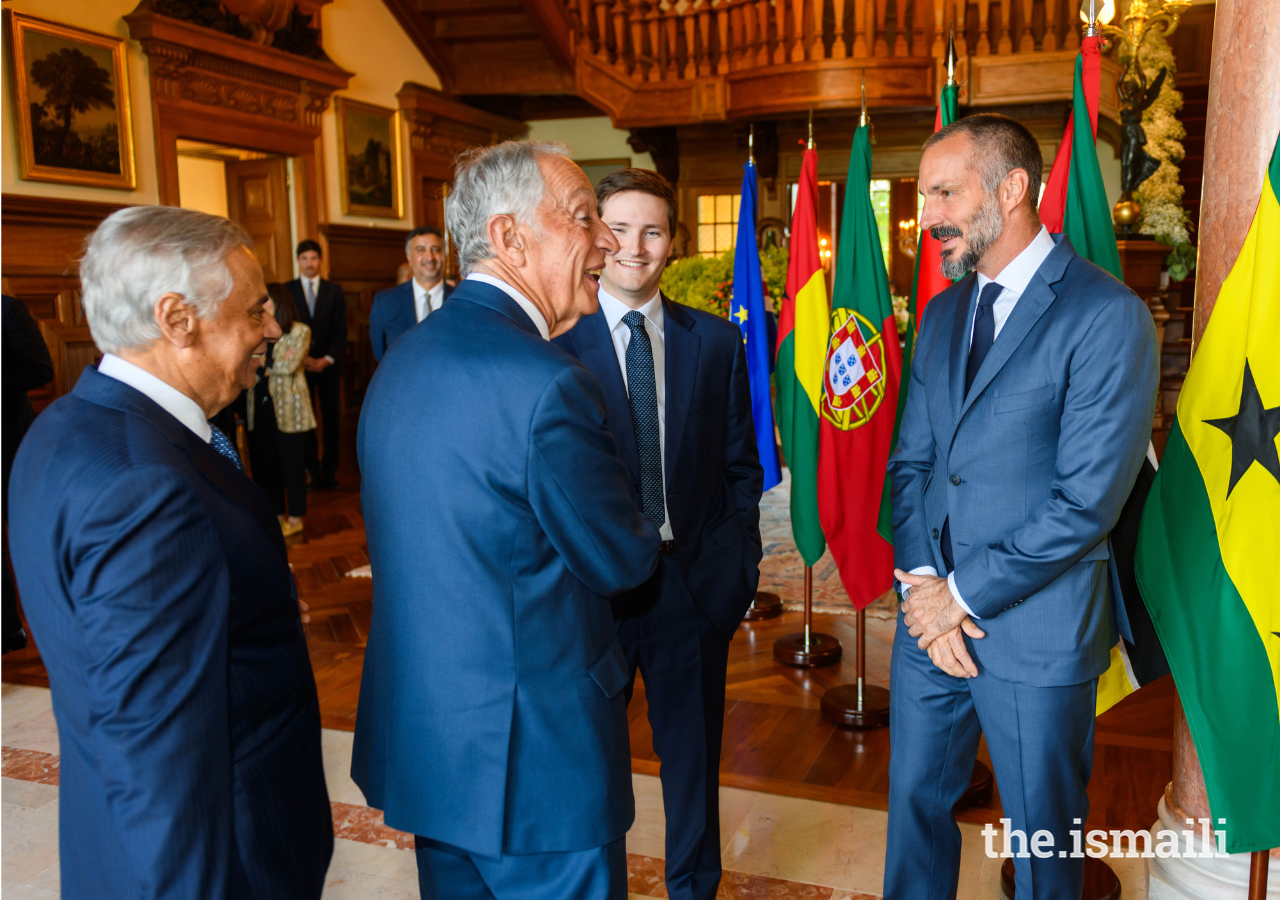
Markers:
(984, 229)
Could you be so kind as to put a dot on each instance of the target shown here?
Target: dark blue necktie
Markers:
(984, 332)
(643, 394)
(220, 442)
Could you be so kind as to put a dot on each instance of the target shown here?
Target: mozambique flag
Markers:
(802, 352)
(1075, 200)
(747, 310)
(1210, 539)
(927, 283)
(859, 393)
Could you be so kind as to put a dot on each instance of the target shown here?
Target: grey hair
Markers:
(140, 253)
(1000, 144)
(501, 180)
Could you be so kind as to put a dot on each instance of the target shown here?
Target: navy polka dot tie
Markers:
(220, 442)
(643, 394)
(984, 332)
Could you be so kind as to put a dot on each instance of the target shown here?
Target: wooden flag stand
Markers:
(1259, 864)
(766, 605)
(807, 649)
(858, 705)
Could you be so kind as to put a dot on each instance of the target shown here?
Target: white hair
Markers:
(501, 180)
(141, 253)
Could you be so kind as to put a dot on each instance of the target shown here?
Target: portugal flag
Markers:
(859, 393)
(802, 350)
(1210, 538)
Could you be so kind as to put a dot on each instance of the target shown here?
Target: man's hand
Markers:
(314, 364)
(930, 609)
(950, 654)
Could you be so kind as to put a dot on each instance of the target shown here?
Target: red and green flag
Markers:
(859, 393)
(1210, 538)
(802, 351)
(1075, 200)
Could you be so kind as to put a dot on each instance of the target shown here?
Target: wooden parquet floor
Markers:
(775, 738)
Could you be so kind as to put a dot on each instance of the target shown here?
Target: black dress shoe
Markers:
(325, 484)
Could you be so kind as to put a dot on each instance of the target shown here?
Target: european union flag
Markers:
(747, 309)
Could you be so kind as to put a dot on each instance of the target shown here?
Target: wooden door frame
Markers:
(208, 86)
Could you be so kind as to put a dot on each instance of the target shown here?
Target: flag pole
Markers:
(1259, 863)
(765, 604)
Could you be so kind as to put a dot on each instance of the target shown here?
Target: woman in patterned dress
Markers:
(287, 384)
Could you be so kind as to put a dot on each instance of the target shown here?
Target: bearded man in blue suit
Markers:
(492, 723)
(398, 309)
(154, 576)
(1028, 414)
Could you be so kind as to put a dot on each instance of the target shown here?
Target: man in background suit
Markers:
(1029, 412)
(679, 406)
(398, 309)
(154, 576)
(492, 722)
(321, 306)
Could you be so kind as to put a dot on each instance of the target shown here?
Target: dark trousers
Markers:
(683, 658)
(326, 389)
(1041, 743)
(278, 463)
(446, 872)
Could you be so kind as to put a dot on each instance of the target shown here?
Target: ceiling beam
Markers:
(420, 28)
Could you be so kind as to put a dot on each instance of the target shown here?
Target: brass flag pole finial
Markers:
(863, 119)
(810, 144)
(751, 145)
(951, 55)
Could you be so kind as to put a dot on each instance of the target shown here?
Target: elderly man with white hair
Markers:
(492, 722)
(154, 576)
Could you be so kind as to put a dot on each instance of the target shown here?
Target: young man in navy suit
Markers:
(322, 306)
(679, 405)
(398, 309)
(154, 576)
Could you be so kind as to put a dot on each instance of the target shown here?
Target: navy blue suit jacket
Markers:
(393, 314)
(154, 577)
(1032, 466)
(500, 521)
(713, 472)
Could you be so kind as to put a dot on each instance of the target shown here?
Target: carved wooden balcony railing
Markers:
(654, 62)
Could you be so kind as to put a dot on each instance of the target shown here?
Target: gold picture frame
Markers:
(72, 114)
(370, 163)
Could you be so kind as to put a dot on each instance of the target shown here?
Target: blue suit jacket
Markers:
(154, 576)
(500, 521)
(1033, 466)
(392, 315)
(713, 472)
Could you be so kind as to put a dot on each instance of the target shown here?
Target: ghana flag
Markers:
(859, 393)
(1210, 538)
(802, 351)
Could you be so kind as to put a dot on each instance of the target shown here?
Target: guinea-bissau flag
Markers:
(746, 309)
(1075, 203)
(927, 283)
(802, 352)
(859, 393)
(1210, 539)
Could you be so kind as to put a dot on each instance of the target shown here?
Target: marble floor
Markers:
(775, 846)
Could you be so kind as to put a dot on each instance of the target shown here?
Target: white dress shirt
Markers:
(426, 301)
(166, 396)
(654, 322)
(1014, 278)
(539, 320)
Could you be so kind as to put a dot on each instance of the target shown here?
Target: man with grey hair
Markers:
(1026, 422)
(492, 722)
(154, 576)
(398, 309)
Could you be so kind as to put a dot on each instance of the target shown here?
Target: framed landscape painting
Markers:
(369, 159)
(70, 104)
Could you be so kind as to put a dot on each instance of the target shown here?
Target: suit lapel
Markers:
(680, 345)
(405, 311)
(594, 344)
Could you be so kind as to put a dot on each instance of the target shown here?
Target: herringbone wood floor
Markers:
(775, 737)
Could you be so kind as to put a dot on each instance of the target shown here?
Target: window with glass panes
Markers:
(880, 203)
(717, 223)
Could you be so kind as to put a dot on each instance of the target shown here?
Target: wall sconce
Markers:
(908, 237)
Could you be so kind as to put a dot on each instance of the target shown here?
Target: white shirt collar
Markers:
(524, 302)
(166, 396)
(1017, 274)
(614, 309)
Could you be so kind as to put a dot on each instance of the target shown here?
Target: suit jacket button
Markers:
(935, 534)
(955, 479)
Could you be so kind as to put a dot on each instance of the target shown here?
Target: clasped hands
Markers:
(316, 363)
(933, 615)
